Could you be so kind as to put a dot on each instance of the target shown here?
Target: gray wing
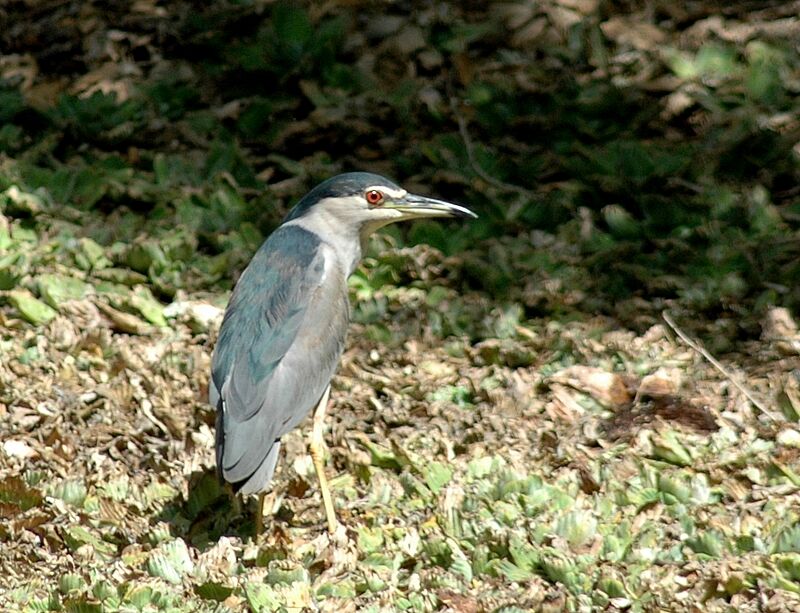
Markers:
(278, 347)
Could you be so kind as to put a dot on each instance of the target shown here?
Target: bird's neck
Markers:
(346, 242)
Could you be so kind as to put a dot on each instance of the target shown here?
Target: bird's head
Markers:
(364, 202)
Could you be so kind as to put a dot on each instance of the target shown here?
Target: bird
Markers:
(284, 328)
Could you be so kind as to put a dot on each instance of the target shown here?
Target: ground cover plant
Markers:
(585, 400)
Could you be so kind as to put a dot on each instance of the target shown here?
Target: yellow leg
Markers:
(260, 514)
(317, 448)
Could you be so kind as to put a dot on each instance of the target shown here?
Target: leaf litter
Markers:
(454, 471)
(506, 434)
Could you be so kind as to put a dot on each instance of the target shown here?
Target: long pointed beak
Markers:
(413, 206)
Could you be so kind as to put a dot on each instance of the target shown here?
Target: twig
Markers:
(462, 130)
(716, 364)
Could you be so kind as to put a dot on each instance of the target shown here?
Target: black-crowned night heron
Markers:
(285, 325)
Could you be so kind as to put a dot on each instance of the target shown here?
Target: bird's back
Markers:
(278, 347)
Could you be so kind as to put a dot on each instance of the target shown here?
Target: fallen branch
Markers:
(716, 364)
(476, 167)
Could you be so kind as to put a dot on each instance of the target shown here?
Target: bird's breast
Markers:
(328, 314)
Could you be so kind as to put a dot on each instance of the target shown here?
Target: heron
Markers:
(285, 325)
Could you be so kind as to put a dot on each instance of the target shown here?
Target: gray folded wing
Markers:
(278, 347)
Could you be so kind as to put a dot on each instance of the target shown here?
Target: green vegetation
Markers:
(516, 427)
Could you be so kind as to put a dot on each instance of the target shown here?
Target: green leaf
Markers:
(120, 276)
(94, 254)
(140, 596)
(524, 554)
(481, 467)
(261, 597)
(213, 591)
(613, 587)
(370, 539)
(56, 289)
(461, 564)
(788, 540)
(158, 491)
(437, 475)
(620, 222)
(667, 447)
(144, 255)
(382, 457)
(512, 572)
(343, 588)
(104, 590)
(17, 496)
(673, 486)
(293, 26)
(82, 605)
(143, 302)
(789, 565)
(70, 583)
(203, 493)
(71, 491)
(77, 536)
(577, 527)
(171, 561)
(710, 542)
(31, 308)
(24, 235)
(280, 574)
(558, 567)
(17, 202)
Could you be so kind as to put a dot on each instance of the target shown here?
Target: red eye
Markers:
(374, 197)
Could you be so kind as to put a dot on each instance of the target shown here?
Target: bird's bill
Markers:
(412, 206)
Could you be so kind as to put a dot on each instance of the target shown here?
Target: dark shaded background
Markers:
(657, 138)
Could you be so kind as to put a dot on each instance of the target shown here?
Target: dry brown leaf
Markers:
(739, 33)
(633, 32)
(124, 322)
(564, 406)
(459, 603)
(562, 17)
(112, 77)
(607, 388)
(409, 40)
(19, 69)
(516, 15)
(663, 382)
(530, 32)
(780, 330)
(584, 7)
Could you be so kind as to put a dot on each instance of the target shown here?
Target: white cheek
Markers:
(377, 219)
(390, 214)
(378, 214)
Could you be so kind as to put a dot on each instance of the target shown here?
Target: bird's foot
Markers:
(337, 552)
